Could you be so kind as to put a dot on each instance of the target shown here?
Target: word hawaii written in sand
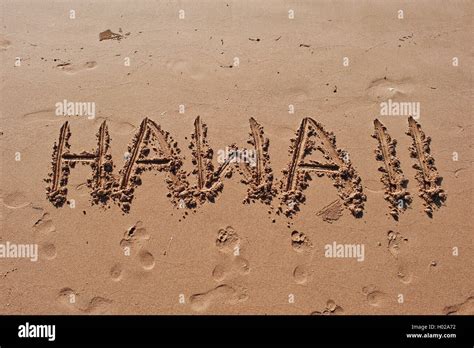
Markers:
(153, 149)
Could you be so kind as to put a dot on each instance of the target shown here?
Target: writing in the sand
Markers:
(154, 149)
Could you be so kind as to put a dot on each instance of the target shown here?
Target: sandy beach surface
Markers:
(222, 157)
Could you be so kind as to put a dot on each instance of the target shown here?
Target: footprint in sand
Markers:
(302, 245)
(331, 309)
(463, 308)
(4, 43)
(301, 274)
(116, 272)
(186, 68)
(396, 244)
(232, 263)
(48, 250)
(146, 259)
(232, 266)
(43, 231)
(222, 294)
(375, 297)
(227, 240)
(299, 93)
(15, 200)
(70, 68)
(132, 245)
(403, 273)
(385, 88)
(98, 305)
(44, 226)
(71, 299)
(300, 242)
(135, 236)
(68, 298)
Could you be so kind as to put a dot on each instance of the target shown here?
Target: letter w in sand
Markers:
(257, 174)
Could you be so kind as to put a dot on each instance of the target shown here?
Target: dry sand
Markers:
(191, 237)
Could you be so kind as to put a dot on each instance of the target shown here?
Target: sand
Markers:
(236, 157)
